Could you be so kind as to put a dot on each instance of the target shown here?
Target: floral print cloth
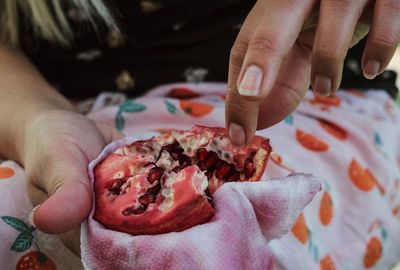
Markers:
(350, 140)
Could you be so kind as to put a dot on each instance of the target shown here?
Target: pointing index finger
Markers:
(275, 33)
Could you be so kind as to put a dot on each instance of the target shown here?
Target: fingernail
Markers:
(30, 217)
(251, 82)
(322, 85)
(371, 69)
(236, 133)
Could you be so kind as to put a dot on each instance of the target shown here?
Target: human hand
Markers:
(58, 146)
(275, 55)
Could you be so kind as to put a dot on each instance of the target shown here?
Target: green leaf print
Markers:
(289, 120)
(384, 233)
(171, 107)
(120, 121)
(23, 242)
(17, 224)
(378, 140)
(132, 107)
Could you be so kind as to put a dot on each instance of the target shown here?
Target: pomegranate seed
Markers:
(249, 168)
(130, 210)
(209, 174)
(184, 161)
(223, 171)
(116, 186)
(154, 190)
(139, 210)
(147, 198)
(174, 155)
(234, 177)
(202, 165)
(175, 150)
(211, 160)
(155, 174)
(127, 211)
(201, 154)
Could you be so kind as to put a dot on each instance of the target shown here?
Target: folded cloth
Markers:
(248, 215)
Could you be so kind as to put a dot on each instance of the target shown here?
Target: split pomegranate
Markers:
(166, 183)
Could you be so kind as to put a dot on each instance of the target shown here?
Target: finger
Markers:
(70, 193)
(234, 102)
(290, 86)
(336, 24)
(271, 41)
(383, 39)
(269, 45)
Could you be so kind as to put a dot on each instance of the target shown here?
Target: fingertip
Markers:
(64, 210)
(237, 134)
(371, 69)
(322, 85)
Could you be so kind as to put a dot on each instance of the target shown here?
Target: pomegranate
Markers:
(166, 183)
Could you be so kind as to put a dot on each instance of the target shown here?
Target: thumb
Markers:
(70, 197)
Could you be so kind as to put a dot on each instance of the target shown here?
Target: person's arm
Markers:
(40, 130)
(23, 94)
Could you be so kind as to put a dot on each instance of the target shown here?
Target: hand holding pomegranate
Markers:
(58, 146)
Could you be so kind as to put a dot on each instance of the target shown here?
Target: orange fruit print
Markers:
(360, 177)
(182, 93)
(327, 263)
(333, 129)
(6, 172)
(195, 109)
(380, 187)
(373, 252)
(326, 209)
(331, 100)
(34, 260)
(311, 142)
(300, 230)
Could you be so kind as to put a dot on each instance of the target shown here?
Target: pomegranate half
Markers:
(165, 184)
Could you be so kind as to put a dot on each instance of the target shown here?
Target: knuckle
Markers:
(290, 4)
(264, 44)
(55, 183)
(328, 55)
(339, 3)
(235, 106)
(352, 8)
(385, 40)
(237, 53)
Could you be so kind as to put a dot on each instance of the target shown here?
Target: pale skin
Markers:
(55, 144)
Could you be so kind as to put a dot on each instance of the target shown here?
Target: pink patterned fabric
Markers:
(350, 142)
